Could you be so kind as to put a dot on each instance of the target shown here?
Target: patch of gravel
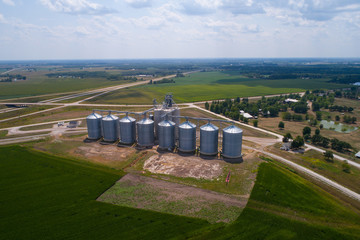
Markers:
(180, 166)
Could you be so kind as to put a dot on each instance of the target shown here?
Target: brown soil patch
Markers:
(183, 166)
(103, 153)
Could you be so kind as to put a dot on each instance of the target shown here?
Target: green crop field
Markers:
(47, 197)
(38, 83)
(203, 86)
(283, 205)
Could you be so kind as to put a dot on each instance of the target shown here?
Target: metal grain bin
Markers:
(110, 128)
(157, 119)
(187, 137)
(145, 131)
(93, 122)
(232, 142)
(166, 131)
(209, 139)
(127, 130)
(176, 112)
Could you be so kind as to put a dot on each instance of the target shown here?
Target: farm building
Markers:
(290, 100)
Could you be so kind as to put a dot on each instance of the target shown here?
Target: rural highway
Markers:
(311, 174)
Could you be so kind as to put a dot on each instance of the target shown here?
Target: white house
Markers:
(290, 100)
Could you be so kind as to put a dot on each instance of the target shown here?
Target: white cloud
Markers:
(76, 7)
(200, 7)
(150, 22)
(168, 11)
(139, 3)
(2, 18)
(9, 2)
(231, 28)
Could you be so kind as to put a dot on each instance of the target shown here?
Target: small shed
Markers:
(357, 155)
(73, 124)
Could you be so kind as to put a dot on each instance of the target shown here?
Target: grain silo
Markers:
(232, 142)
(166, 134)
(187, 137)
(127, 130)
(168, 108)
(110, 128)
(209, 139)
(93, 122)
(145, 131)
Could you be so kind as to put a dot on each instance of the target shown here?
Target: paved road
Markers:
(10, 70)
(311, 174)
(29, 114)
(22, 139)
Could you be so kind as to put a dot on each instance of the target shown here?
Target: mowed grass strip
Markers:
(47, 197)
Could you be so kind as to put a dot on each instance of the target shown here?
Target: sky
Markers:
(131, 29)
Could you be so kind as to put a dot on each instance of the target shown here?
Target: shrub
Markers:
(329, 156)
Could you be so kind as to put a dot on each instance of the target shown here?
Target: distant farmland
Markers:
(203, 86)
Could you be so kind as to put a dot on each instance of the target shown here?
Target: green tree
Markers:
(315, 106)
(297, 142)
(317, 131)
(337, 118)
(255, 122)
(286, 116)
(286, 137)
(281, 125)
(318, 116)
(329, 156)
(206, 105)
(306, 130)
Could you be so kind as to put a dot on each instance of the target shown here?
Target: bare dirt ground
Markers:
(183, 166)
(158, 195)
(103, 153)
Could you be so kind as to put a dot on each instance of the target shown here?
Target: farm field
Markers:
(38, 84)
(55, 198)
(282, 205)
(203, 86)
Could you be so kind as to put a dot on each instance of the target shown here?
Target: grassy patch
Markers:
(167, 198)
(22, 111)
(37, 127)
(3, 133)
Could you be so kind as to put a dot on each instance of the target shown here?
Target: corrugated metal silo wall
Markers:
(187, 138)
(166, 135)
(145, 131)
